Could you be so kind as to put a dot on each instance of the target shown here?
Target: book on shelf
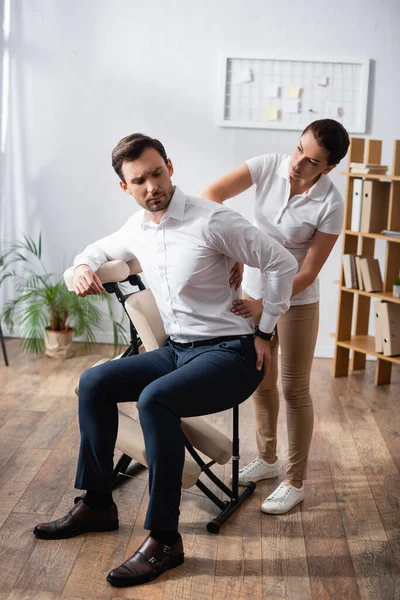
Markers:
(391, 233)
(375, 206)
(364, 165)
(349, 271)
(389, 318)
(371, 274)
(368, 168)
(358, 272)
(369, 171)
(356, 205)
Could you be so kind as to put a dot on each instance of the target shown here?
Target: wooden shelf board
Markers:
(387, 296)
(374, 236)
(357, 320)
(371, 176)
(366, 345)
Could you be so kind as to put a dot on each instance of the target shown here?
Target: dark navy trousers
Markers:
(168, 383)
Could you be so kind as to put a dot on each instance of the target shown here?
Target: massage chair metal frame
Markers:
(123, 467)
(3, 345)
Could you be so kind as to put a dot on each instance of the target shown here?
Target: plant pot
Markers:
(396, 291)
(58, 343)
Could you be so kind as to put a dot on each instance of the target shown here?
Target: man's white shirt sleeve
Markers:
(234, 236)
(112, 247)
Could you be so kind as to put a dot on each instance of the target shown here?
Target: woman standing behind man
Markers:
(297, 204)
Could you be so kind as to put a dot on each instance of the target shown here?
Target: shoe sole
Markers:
(280, 512)
(256, 479)
(144, 578)
(97, 527)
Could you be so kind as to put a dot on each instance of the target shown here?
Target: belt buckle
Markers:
(191, 345)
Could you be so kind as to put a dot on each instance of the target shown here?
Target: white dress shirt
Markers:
(291, 222)
(187, 259)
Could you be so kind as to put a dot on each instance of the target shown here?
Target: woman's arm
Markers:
(229, 185)
(317, 255)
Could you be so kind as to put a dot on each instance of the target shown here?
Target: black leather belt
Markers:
(212, 341)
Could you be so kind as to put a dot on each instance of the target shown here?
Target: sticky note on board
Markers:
(272, 114)
(273, 91)
(291, 105)
(246, 76)
(293, 91)
(322, 81)
(335, 109)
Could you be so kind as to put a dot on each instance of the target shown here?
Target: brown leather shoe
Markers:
(80, 519)
(148, 563)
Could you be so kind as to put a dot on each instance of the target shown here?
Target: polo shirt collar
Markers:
(320, 188)
(283, 169)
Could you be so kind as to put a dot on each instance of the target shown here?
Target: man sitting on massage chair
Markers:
(212, 360)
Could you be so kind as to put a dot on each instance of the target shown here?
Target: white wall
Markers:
(85, 73)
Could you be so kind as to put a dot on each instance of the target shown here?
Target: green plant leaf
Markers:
(30, 244)
(43, 301)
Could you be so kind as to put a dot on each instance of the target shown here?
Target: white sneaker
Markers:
(283, 499)
(258, 469)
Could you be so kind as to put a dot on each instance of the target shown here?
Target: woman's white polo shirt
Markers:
(292, 223)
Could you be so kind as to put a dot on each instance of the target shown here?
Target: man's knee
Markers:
(148, 402)
(153, 403)
(91, 380)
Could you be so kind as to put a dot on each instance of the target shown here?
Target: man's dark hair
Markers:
(131, 147)
(332, 136)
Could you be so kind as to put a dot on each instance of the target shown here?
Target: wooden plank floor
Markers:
(343, 542)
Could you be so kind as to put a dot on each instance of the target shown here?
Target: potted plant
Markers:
(47, 313)
(396, 287)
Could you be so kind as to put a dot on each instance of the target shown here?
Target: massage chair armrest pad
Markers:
(109, 272)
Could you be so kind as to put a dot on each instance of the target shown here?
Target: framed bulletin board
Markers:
(288, 93)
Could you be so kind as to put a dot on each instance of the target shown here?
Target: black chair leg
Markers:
(3, 345)
(124, 469)
(215, 525)
(236, 499)
(235, 452)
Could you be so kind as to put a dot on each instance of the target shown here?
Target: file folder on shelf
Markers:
(375, 206)
(378, 328)
(389, 316)
(356, 205)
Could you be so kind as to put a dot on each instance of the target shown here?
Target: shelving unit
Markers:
(352, 334)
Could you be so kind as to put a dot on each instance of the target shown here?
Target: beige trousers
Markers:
(297, 332)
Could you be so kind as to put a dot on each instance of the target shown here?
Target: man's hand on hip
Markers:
(86, 282)
(263, 351)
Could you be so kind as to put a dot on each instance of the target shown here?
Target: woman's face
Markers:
(308, 159)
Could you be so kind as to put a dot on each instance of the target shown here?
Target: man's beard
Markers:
(162, 205)
(158, 207)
